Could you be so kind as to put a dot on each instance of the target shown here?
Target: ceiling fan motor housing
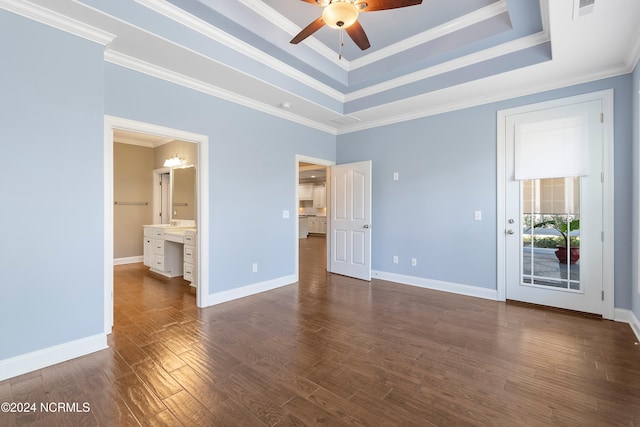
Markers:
(341, 14)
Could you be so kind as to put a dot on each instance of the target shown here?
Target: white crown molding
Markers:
(182, 80)
(445, 67)
(132, 141)
(488, 12)
(545, 15)
(481, 100)
(142, 143)
(262, 9)
(57, 20)
(172, 12)
(176, 14)
(447, 28)
(634, 55)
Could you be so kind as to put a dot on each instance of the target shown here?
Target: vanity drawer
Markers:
(189, 254)
(159, 263)
(189, 272)
(190, 238)
(159, 247)
(154, 232)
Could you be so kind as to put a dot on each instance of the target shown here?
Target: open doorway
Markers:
(199, 204)
(312, 204)
(347, 216)
(146, 192)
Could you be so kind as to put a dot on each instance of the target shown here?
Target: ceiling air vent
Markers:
(345, 120)
(582, 8)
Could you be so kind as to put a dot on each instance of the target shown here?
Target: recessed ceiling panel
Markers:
(384, 27)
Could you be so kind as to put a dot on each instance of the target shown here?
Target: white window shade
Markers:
(553, 148)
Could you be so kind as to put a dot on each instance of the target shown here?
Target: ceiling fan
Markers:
(343, 14)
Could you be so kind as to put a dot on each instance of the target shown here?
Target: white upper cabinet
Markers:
(305, 191)
(319, 196)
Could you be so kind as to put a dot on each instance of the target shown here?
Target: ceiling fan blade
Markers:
(357, 34)
(308, 30)
(312, 2)
(373, 5)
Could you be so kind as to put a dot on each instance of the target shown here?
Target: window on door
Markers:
(551, 234)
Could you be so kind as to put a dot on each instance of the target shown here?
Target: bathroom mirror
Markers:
(183, 195)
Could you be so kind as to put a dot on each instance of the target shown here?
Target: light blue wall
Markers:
(447, 169)
(635, 93)
(56, 89)
(251, 169)
(51, 250)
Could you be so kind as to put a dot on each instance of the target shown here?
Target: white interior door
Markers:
(534, 272)
(350, 222)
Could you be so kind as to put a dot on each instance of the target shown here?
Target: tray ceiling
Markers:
(425, 59)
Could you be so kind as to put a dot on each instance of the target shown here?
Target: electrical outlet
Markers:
(395, 259)
(396, 176)
(477, 215)
(414, 262)
(255, 267)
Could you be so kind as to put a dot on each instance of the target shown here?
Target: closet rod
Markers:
(131, 203)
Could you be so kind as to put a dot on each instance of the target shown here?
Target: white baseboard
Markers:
(621, 315)
(245, 291)
(39, 359)
(128, 260)
(421, 282)
(627, 316)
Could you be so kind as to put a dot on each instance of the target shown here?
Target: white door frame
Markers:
(157, 194)
(606, 97)
(316, 161)
(202, 217)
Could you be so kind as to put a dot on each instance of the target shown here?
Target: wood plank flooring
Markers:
(336, 351)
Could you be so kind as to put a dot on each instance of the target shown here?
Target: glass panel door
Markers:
(544, 215)
(551, 233)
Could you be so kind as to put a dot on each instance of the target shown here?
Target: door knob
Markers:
(368, 226)
(510, 231)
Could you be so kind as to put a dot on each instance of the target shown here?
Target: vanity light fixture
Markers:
(173, 162)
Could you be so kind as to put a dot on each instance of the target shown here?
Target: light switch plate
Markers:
(285, 214)
(477, 215)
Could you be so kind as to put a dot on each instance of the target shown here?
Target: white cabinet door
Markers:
(319, 196)
(305, 192)
(313, 224)
(149, 250)
(322, 225)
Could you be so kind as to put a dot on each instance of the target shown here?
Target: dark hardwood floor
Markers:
(336, 351)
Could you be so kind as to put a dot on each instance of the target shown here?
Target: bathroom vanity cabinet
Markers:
(190, 257)
(164, 249)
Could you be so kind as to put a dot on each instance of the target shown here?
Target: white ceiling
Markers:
(138, 138)
(434, 57)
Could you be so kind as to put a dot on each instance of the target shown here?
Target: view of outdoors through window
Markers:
(551, 233)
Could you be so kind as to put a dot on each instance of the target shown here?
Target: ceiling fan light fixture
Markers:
(340, 14)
